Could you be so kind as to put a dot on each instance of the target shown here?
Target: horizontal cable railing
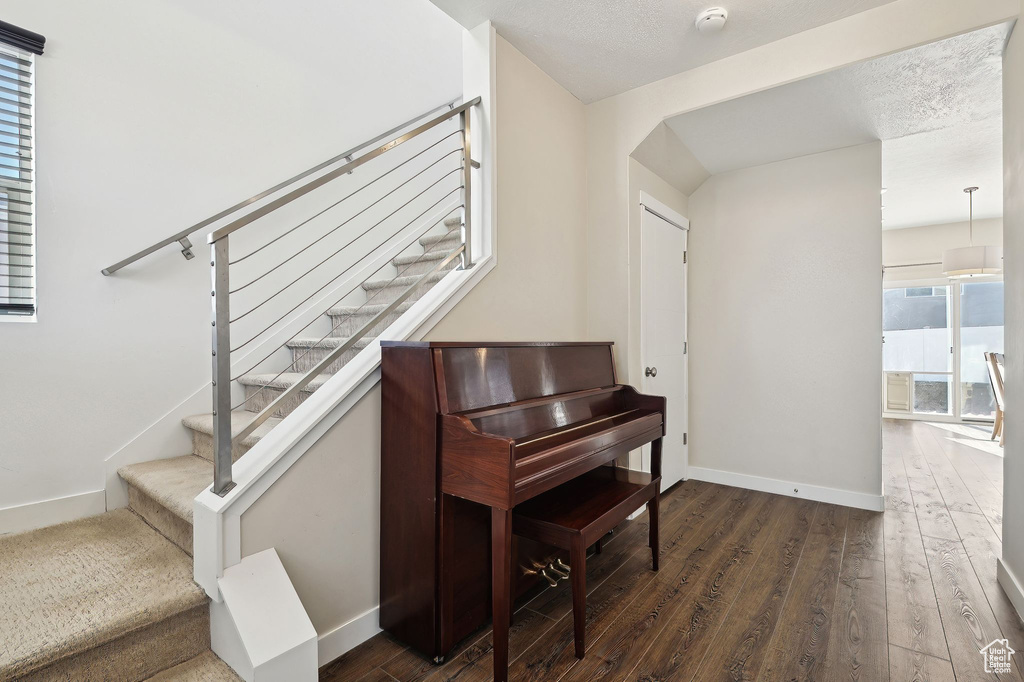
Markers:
(182, 237)
(304, 281)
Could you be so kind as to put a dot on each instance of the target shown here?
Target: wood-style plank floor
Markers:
(755, 586)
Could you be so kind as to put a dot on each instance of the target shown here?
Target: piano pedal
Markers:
(565, 568)
(551, 581)
(562, 575)
(438, 660)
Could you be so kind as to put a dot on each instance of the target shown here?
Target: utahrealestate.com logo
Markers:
(997, 656)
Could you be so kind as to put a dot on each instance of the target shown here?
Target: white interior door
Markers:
(663, 331)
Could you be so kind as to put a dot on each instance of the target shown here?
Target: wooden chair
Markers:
(994, 362)
(577, 514)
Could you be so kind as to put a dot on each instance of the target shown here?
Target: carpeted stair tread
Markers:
(203, 668)
(434, 255)
(327, 342)
(203, 423)
(368, 309)
(402, 282)
(173, 483)
(69, 588)
(285, 380)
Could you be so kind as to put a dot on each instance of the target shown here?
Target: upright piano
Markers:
(468, 431)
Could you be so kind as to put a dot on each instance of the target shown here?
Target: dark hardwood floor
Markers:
(755, 586)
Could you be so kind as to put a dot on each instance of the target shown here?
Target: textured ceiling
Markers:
(599, 48)
(936, 108)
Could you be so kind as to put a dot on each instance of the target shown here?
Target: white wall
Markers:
(925, 245)
(150, 117)
(322, 516)
(785, 322)
(1012, 562)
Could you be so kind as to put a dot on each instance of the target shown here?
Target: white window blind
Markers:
(17, 216)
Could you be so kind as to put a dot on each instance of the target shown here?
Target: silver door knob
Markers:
(651, 372)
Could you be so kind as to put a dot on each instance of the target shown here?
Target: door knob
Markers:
(651, 372)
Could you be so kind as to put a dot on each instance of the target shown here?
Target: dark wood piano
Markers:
(470, 430)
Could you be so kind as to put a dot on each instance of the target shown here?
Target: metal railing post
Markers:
(222, 482)
(467, 190)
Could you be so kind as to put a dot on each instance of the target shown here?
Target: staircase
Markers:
(112, 597)
(161, 491)
(125, 606)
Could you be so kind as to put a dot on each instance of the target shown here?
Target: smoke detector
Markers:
(711, 20)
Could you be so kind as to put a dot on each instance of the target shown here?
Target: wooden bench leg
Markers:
(501, 588)
(653, 519)
(578, 576)
(997, 426)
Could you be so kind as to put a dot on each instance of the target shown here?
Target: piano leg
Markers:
(578, 575)
(501, 587)
(653, 540)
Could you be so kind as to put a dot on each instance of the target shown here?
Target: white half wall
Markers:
(150, 117)
(322, 515)
(785, 323)
(1012, 562)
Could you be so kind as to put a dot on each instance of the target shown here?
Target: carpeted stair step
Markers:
(162, 491)
(201, 426)
(422, 263)
(448, 234)
(388, 290)
(307, 352)
(263, 389)
(348, 319)
(203, 668)
(102, 598)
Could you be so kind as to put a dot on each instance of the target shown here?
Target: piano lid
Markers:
(476, 376)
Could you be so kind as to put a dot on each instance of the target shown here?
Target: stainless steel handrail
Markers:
(223, 436)
(182, 237)
(266, 209)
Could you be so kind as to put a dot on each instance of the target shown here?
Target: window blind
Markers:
(17, 204)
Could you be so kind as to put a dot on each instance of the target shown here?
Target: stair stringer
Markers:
(217, 520)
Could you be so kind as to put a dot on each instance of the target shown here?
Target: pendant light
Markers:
(971, 261)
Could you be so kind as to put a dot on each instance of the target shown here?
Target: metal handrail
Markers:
(182, 236)
(269, 208)
(223, 438)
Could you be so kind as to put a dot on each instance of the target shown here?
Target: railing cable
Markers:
(349, 196)
(343, 224)
(335, 278)
(316, 345)
(350, 242)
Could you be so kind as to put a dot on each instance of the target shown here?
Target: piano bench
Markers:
(577, 514)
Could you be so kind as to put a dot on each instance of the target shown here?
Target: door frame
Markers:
(657, 208)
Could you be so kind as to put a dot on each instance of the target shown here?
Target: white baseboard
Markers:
(845, 498)
(48, 512)
(1011, 586)
(344, 638)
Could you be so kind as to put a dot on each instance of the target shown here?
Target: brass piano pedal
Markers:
(551, 581)
(562, 575)
(563, 566)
